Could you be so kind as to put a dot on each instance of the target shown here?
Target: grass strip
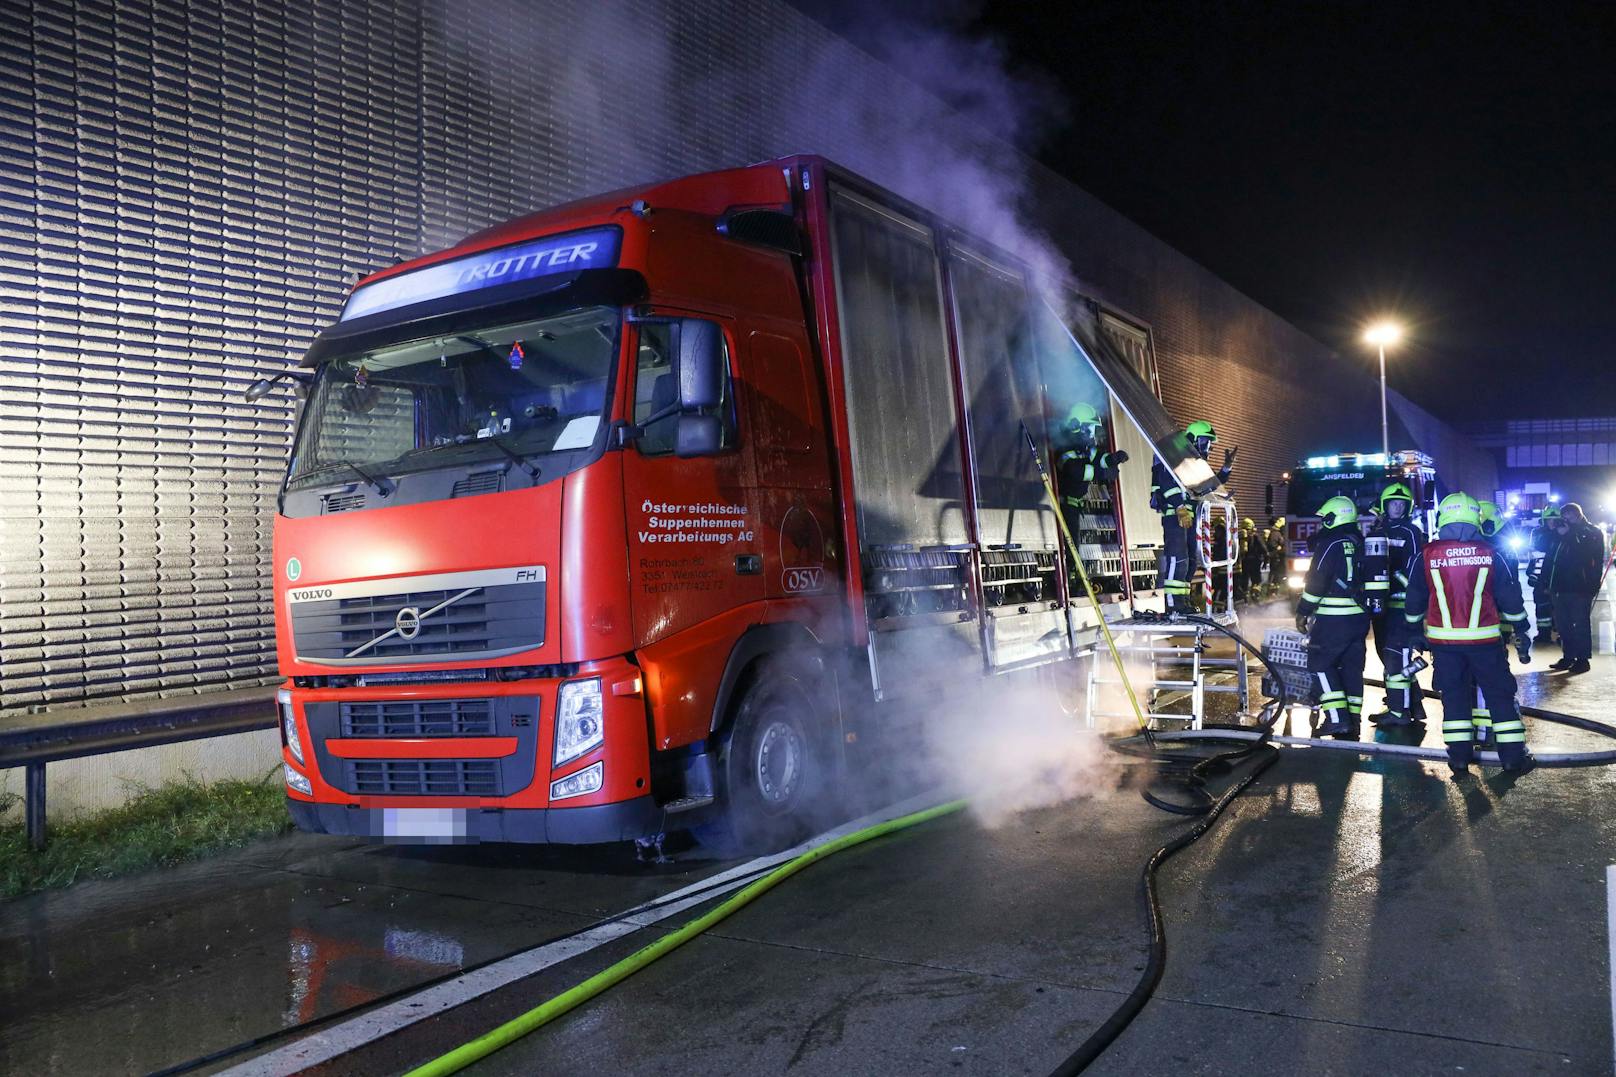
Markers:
(158, 827)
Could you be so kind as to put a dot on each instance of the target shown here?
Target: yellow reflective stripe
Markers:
(1512, 617)
(1442, 599)
(1438, 633)
(1510, 738)
(1475, 600)
(1339, 611)
(1337, 600)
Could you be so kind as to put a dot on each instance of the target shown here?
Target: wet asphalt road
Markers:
(1347, 916)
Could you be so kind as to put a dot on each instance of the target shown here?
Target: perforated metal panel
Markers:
(189, 186)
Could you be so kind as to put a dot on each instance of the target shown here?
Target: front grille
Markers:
(419, 718)
(483, 621)
(424, 777)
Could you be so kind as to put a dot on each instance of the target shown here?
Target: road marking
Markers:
(356, 1032)
(1610, 938)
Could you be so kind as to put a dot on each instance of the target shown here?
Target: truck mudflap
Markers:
(594, 824)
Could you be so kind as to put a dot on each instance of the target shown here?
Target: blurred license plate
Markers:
(443, 824)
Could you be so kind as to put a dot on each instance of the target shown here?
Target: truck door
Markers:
(693, 540)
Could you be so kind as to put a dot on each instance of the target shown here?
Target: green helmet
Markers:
(1458, 508)
(1395, 492)
(1338, 511)
(1491, 521)
(1081, 415)
(1246, 524)
(1200, 428)
(1550, 512)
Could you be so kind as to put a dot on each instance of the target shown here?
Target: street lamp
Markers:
(1381, 334)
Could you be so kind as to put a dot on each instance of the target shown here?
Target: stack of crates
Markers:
(1286, 651)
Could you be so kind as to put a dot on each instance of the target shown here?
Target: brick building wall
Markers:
(190, 185)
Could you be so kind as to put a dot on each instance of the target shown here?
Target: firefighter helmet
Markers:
(1395, 492)
(1081, 415)
(1279, 521)
(1550, 512)
(1200, 428)
(1487, 512)
(1246, 523)
(1458, 508)
(1337, 511)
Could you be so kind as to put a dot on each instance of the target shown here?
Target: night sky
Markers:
(1453, 164)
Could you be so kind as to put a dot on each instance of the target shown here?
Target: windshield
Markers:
(1310, 490)
(517, 389)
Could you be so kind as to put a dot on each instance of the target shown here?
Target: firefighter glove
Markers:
(1186, 516)
(1531, 579)
(1228, 457)
(1304, 622)
(1523, 648)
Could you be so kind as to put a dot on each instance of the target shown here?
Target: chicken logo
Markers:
(802, 552)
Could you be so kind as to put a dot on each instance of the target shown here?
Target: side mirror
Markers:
(701, 364)
(697, 435)
(301, 380)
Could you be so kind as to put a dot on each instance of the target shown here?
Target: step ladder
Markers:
(1175, 652)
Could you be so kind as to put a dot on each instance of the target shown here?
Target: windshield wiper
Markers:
(380, 485)
(519, 458)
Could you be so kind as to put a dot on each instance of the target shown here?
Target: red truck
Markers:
(628, 515)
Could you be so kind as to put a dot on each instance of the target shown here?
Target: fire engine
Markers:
(1360, 476)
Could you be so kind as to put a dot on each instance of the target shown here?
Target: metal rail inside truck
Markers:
(630, 515)
(1360, 476)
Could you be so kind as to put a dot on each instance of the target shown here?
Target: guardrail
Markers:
(35, 740)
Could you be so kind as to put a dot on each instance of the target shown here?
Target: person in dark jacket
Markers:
(1394, 641)
(1333, 614)
(1573, 577)
(1463, 599)
(1083, 463)
(1544, 540)
(1174, 565)
(1253, 554)
(1275, 541)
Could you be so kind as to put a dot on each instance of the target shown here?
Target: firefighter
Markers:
(1544, 541)
(1573, 578)
(1177, 510)
(1463, 600)
(1253, 553)
(1332, 614)
(1394, 640)
(1275, 542)
(1083, 463)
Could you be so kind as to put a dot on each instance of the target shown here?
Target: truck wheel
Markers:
(772, 770)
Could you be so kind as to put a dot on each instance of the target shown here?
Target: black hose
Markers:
(1540, 713)
(1190, 771)
(1102, 1037)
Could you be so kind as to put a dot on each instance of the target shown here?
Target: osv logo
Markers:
(802, 580)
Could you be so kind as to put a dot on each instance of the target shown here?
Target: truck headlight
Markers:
(1301, 564)
(298, 781)
(579, 724)
(576, 785)
(293, 742)
(1296, 582)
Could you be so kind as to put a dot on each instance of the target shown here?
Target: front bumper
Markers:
(595, 825)
(490, 779)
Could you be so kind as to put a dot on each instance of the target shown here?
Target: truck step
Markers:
(673, 807)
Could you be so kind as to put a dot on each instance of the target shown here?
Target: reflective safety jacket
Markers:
(1166, 495)
(1335, 579)
(1463, 591)
(1403, 545)
(1081, 466)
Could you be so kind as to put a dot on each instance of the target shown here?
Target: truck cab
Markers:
(1361, 477)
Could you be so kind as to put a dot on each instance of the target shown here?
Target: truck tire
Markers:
(773, 771)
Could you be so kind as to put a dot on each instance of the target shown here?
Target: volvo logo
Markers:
(408, 622)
